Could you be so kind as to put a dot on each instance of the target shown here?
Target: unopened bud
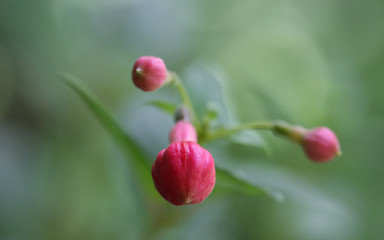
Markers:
(184, 173)
(320, 144)
(183, 131)
(149, 73)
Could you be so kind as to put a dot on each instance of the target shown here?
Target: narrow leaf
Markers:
(230, 179)
(164, 106)
(137, 157)
(125, 142)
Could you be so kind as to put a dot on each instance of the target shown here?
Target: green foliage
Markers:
(128, 145)
(125, 142)
(167, 107)
(231, 180)
(310, 63)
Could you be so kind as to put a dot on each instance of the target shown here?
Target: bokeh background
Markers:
(311, 63)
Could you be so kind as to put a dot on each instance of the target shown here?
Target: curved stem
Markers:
(222, 133)
(185, 97)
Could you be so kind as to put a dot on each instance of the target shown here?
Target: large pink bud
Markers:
(184, 173)
(183, 131)
(149, 73)
(320, 144)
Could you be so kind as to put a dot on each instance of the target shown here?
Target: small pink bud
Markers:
(149, 73)
(184, 173)
(183, 131)
(320, 144)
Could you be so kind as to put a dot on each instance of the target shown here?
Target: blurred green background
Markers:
(311, 63)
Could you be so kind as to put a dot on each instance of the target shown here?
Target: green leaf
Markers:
(205, 88)
(164, 106)
(137, 157)
(249, 138)
(230, 179)
(275, 110)
(125, 142)
(206, 84)
(232, 162)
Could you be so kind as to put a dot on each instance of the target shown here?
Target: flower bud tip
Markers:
(149, 73)
(321, 144)
(183, 131)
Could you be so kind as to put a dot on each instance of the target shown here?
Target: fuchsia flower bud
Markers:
(320, 144)
(184, 173)
(183, 131)
(149, 73)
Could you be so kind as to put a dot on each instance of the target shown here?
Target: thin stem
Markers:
(222, 133)
(185, 97)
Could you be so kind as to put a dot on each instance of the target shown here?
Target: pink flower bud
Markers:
(149, 73)
(320, 144)
(183, 131)
(184, 173)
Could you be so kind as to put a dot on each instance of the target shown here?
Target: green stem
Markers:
(185, 97)
(222, 133)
